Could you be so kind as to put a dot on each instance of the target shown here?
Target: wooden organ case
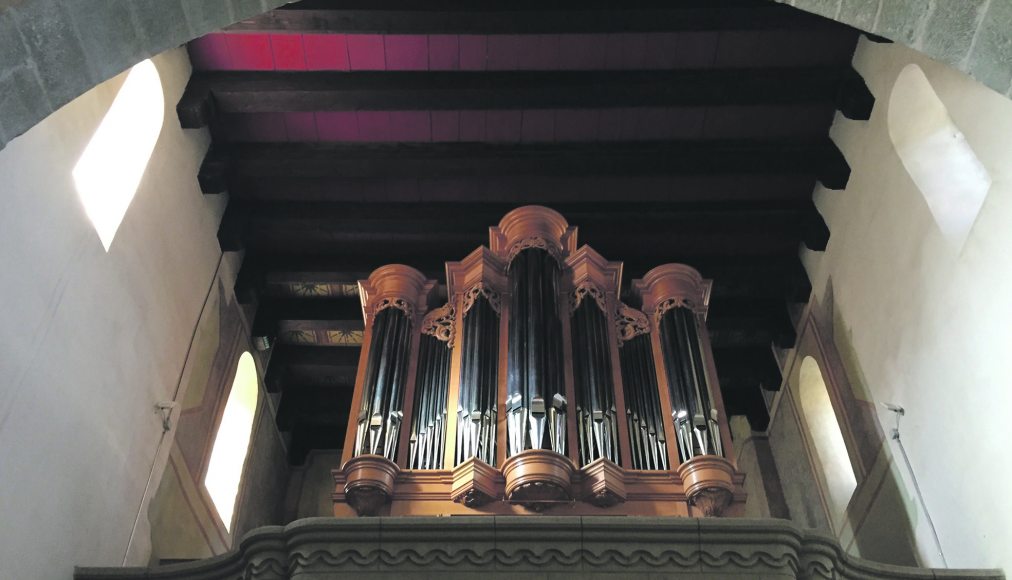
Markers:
(535, 388)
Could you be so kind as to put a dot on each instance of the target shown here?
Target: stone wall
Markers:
(924, 323)
(91, 340)
(974, 36)
(51, 51)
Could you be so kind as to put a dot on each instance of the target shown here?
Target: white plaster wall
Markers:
(89, 340)
(929, 324)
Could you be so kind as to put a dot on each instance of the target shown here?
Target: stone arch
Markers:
(53, 51)
(974, 36)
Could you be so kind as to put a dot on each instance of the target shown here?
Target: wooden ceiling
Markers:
(352, 134)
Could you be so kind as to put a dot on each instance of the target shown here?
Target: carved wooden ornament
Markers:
(439, 323)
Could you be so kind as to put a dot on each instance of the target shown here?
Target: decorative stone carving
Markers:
(538, 479)
(630, 323)
(584, 289)
(620, 547)
(481, 289)
(369, 483)
(439, 323)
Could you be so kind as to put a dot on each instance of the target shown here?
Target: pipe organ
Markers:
(535, 387)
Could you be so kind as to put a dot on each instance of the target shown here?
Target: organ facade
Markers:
(535, 387)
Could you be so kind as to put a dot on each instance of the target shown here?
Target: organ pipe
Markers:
(596, 414)
(428, 425)
(380, 414)
(643, 405)
(536, 400)
(479, 374)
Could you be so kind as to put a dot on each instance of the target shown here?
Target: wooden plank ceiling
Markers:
(352, 134)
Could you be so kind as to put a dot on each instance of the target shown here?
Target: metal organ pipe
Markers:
(381, 410)
(692, 413)
(595, 411)
(479, 376)
(428, 426)
(643, 405)
(535, 387)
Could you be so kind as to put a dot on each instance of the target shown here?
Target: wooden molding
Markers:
(369, 483)
(538, 479)
(475, 483)
(394, 286)
(709, 483)
(603, 483)
(672, 285)
(532, 226)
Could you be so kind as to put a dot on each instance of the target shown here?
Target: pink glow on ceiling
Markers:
(529, 126)
(341, 52)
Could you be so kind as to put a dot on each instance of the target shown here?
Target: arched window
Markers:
(937, 156)
(231, 444)
(110, 169)
(827, 438)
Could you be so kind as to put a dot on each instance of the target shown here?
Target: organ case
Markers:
(536, 388)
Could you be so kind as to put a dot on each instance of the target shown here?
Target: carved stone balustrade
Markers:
(513, 547)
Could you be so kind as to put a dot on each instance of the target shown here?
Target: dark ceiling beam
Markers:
(314, 406)
(210, 93)
(271, 311)
(455, 229)
(738, 276)
(334, 163)
(323, 366)
(528, 18)
(549, 190)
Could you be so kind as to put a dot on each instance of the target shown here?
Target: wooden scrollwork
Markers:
(398, 303)
(630, 323)
(481, 289)
(668, 304)
(439, 323)
(534, 242)
(584, 289)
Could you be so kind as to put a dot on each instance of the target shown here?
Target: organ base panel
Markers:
(535, 389)
(644, 493)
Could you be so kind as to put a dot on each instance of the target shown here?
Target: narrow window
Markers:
(827, 438)
(231, 444)
(936, 154)
(110, 169)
